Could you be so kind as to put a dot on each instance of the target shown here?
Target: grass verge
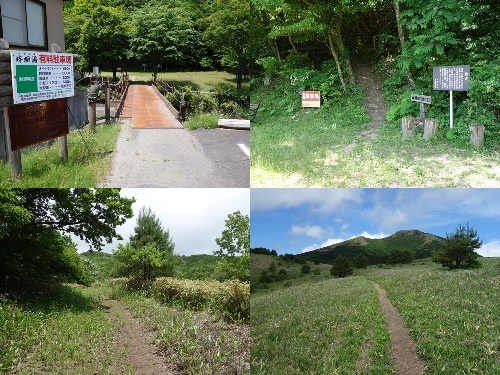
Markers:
(329, 327)
(89, 156)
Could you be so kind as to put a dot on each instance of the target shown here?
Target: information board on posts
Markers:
(39, 76)
(451, 78)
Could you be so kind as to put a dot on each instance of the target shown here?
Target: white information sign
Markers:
(40, 76)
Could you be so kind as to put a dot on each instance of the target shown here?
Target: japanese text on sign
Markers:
(311, 98)
(41, 76)
(451, 78)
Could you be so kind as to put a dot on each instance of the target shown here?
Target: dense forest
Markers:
(314, 44)
(163, 34)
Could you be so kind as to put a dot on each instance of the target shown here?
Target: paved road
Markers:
(180, 158)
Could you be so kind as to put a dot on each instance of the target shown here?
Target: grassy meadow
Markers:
(452, 316)
(203, 81)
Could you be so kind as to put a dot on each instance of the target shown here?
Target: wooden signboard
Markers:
(311, 99)
(37, 122)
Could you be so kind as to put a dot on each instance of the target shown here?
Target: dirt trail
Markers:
(404, 355)
(374, 94)
(133, 338)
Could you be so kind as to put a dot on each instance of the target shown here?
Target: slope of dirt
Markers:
(374, 94)
(404, 356)
(132, 337)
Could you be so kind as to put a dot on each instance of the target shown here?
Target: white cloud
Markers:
(311, 231)
(328, 242)
(322, 201)
(194, 217)
(332, 241)
(490, 249)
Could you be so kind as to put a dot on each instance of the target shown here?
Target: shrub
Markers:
(202, 121)
(342, 267)
(361, 261)
(282, 274)
(316, 271)
(230, 298)
(306, 268)
(231, 109)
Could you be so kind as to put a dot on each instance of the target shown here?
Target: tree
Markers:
(400, 256)
(103, 38)
(458, 250)
(360, 261)
(149, 230)
(150, 251)
(342, 267)
(161, 33)
(234, 248)
(146, 262)
(229, 35)
(31, 242)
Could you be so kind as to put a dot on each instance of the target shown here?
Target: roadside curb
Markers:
(234, 124)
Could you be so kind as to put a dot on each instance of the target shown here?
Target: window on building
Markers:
(24, 23)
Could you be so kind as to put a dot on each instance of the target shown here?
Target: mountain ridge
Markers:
(376, 249)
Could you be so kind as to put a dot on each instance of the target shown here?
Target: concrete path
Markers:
(176, 158)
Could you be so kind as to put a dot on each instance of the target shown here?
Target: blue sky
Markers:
(299, 220)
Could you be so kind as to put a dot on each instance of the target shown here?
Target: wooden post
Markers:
(92, 115)
(107, 102)
(63, 140)
(430, 128)
(16, 169)
(477, 135)
(408, 127)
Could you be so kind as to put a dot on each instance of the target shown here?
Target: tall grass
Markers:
(89, 160)
(453, 316)
(330, 327)
(60, 331)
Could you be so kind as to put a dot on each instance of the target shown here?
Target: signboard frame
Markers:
(40, 76)
(311, 99)
(33, 123)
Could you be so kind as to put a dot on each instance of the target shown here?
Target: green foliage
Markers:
(36, 249)
(103, 38)
(234, 248)
(360, 261)
(147, 262)
(101, 265)
(196, 267)
(298, 325)
(161, 33)
(228, 34)
(342, 267)
(306, 268)
(149, 230)
(400, 256)
(458, 250)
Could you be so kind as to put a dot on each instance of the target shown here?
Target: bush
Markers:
(342, 267)
(202, 121)
(230, 298)
(316, 271)
(306, 268)
(282, 274)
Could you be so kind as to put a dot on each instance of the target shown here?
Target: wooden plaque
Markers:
(33, 123)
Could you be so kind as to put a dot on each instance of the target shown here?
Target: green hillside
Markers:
(423, 244)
